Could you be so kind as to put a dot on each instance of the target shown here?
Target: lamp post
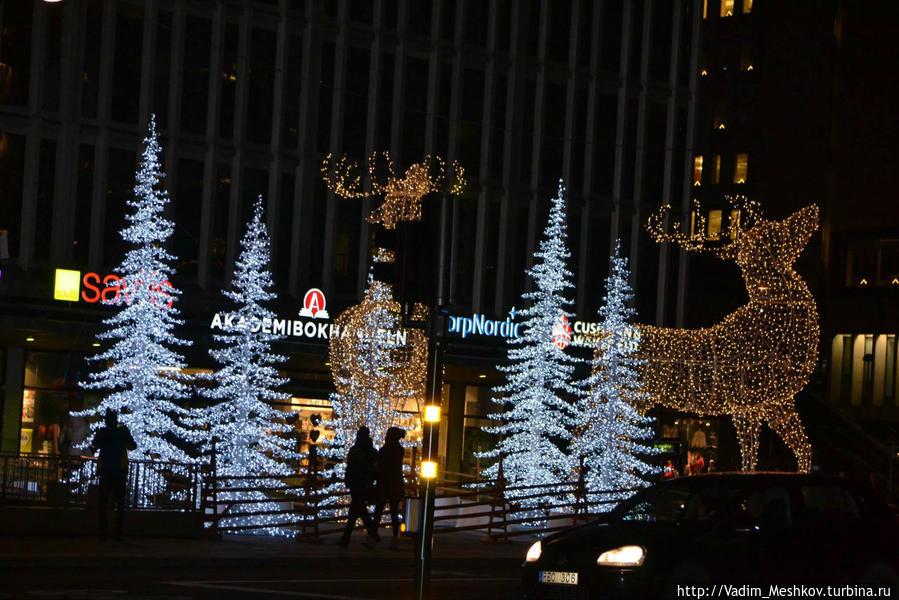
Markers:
(428, 473)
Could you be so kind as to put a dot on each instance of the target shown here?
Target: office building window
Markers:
(734, 225)
(716, 173)
(741, 166)
(746, 57)
(697, 170)
(705, 9)
(747, 7)
(714, 227)
(872, 263)
(727, 8)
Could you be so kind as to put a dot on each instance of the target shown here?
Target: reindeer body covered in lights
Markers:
(752, 363)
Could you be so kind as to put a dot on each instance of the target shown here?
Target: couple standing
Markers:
(364, 466)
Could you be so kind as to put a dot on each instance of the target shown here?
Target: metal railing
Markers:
(44, 479)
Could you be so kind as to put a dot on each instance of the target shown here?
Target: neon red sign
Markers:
(109, 288)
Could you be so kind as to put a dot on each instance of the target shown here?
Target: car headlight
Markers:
(534, 552)
(625, 556)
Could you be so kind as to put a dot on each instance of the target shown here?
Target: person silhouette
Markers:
(113, 441)
(391, 487)
(359, 478)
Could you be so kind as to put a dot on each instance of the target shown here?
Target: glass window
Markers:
(769, 507)
(716, 173)
(828, 503)
(727, 8)
(697, 170)
(478, 407)
(665, 506)
(15, 53)
(52, 57)
(195, 88)
(127, 62)
(229, 80)
(741, 167)
(119, 189)
(734, 225)
(747, 6)
(12, 169)
(714, 225)
(188, 199)
(262, 84)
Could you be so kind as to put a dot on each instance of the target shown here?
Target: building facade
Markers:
(250, 96)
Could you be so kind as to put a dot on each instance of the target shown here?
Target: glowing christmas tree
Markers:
(537, 417)
(610, 440)
(142, 369)
(250, 438)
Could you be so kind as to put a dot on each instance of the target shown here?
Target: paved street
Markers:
(250, 567)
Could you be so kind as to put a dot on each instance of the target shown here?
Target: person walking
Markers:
(113, 441)
(391, 487)
(359, 479)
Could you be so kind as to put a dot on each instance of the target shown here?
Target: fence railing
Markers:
(66, 480)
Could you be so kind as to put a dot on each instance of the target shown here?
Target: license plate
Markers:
(564, 577)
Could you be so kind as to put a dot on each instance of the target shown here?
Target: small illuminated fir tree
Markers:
(537, 417)
(142, 375)
(611, 438)
(250, 435)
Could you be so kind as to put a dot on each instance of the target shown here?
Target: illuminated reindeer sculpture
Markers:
(752, 363)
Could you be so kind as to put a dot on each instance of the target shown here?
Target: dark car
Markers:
(732, 528)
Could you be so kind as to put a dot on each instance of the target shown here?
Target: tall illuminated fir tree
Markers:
(142, 375)
(610, 441)
(249, 434)
(537, 418)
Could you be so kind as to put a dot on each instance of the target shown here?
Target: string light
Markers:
(251, 437)
(141, 388)
(752, 363)
(536, 414)
(378, 367)
(608, 443)
(402, 194)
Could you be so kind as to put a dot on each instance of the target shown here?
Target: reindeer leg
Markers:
(747, 427)
(788, 426)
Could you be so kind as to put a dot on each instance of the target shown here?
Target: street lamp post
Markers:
(428, 473)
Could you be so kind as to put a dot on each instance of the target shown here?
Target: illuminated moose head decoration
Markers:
(402, 195)
(751, 364)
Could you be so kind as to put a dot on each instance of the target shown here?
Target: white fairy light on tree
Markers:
(609, 443)
(142, 369)
(537, 418)
(249, 434)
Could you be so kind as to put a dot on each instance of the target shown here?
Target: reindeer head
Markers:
(764, 250)
(402, 193)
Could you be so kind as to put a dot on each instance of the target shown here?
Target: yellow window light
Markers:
(432, 413)
(67, 285)
(428, 469)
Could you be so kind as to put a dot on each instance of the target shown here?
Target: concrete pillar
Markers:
(12, 399)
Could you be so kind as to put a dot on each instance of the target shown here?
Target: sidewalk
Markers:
(236, 550)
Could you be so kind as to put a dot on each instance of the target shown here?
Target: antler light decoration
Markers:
(402, 194)
(752, 363)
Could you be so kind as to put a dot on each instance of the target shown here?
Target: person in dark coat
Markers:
(113, 441)
(391, 487)
(359, 479)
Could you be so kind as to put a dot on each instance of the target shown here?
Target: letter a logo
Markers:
(314, 305)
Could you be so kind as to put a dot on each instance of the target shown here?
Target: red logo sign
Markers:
(314, 305)
(113, 286)
(561, 333)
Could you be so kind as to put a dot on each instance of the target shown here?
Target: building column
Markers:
(12, 399)
(273, 191)
(640, 145)
(481, 224)
(210, 157)
(668, 173)
(452, 151)
(621, 125)
(683, 263)
(537, 140)
(308, 169)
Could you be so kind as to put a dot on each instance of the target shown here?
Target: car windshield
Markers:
(670, 504)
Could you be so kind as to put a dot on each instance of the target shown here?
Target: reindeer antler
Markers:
(748, 213)
(402, 195)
